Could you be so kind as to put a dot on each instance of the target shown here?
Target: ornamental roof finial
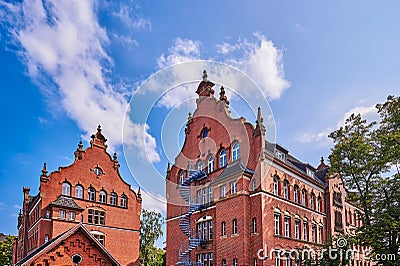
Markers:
(204, 75)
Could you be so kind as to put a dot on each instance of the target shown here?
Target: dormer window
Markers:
(310, 172)
(280, 155)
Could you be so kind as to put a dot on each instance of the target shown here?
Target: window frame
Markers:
(222, 158)
(210, 164)
(66, 189)
(103, 196)
(234, 227)
(124, 201)
(79, 191)
(277, 223)
(113, 199)
(91, 194)
(236, 151)
(223, 228)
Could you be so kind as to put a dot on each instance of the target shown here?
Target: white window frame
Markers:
(286, 189)
(210, 165)
(113, 198)
(223, 228)
(305, 231)
(222, 158)
(297, 229)
(233, 187)
(62, 214)
(91, 194)
(276, 186)
(223, 191)
(124, 201)
(236, 151)
(102, 196)
(277, 223)
(287, 226)
(66, 189)
(79, 192)
(234, 227)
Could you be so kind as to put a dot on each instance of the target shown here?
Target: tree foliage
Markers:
(150, 230)
(6, 247)
(366, 155)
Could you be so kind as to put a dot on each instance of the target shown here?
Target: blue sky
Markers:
(68, 66)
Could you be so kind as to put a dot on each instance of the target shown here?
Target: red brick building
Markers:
(249, 198)
(89, 196)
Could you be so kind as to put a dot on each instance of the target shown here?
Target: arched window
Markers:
(103, 196)
(79, 192)
(222, 158)
(210, 164)
(200, 166)
(312, 201)
(234, 227)
(223, 262)
(124, 201)
(236, 152)
(296, 194)
(181, 177)
(235, 262)
(223, 229)
(286, 189)
(319, 203)
(204, 133)
(303, 197)
(66, 189)
(91, 194)
(113, 198)
(276, 186)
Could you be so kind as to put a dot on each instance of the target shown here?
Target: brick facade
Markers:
(90, 192)
(256, 194)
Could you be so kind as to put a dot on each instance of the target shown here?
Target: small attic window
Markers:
(280, 155)
(204, 133)
(97, 170)
(310, 172)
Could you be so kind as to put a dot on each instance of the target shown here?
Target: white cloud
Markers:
(154, 202)
(183, 50)
(129, 17)
(367, 112)
(62, 45)
(262, 61)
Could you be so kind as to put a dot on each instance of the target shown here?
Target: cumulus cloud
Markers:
(154, 202)
(182, 50)
(128, 15)
(367, 112)
(63, 47)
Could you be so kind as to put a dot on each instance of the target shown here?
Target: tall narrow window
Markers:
(319, 201)
(91, 194)
(66, 189)
(287, 226)
(296, 194)
(277, 223)
(223, 229)
(79, 192)
(236, 152)
(223, 191)
(278, 258)
(254, 225)
(62, 214)
(124, 201)
(103, 196)
(312, 201)
(313, 233)
(235, 262)
(113, 198)
(210, 167)
(222, 158)
(223, 262)
(210, 230)
(276, 186)
(48, 213)
(303, 197)
(320, 234)
(297, 229)
(210, 194)
(233, 187)
(204, 195)
(200, 166)
(181, 177)
(234, 227)
(286, 189)
(305, 231)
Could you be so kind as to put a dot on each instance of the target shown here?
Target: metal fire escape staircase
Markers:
(194, 239)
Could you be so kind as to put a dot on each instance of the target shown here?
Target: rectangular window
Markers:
(48, 213)
(223, 191)
(223, 229)
(72, 215)
(234, 227)
(287, 226)
(210, 259)
(205, 259)
(277, 223)
(204, 196)
(210, 194)
(313, 233)
(276, 187)
(95, 217)
(320, 234)
(210, 230)
(100, 238)
(277, 258)
(305, 225)
(297, 229)
(199, 196)
(62, 214)
(296, 195)
(233, 187)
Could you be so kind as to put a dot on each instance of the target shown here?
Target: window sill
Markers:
(234, 235)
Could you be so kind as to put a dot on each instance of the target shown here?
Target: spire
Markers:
(115, 161)
(168, 170)
(222, 96)
(44, 177)
(260, 121)
(139, 195)
(205, 75)
(98, 139)
(189, 121)
(79, 150)
(322, 164)
(205, 86)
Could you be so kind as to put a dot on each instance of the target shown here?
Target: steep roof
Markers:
(66, 202)
(233, 168)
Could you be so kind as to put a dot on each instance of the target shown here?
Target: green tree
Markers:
(150, 230)
(6, 247)
(363, 154)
